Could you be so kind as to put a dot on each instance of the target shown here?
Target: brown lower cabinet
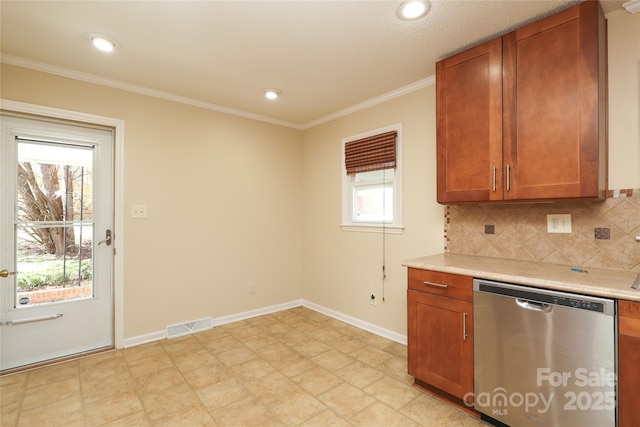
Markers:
(440, 333)
(440, 341)
(628, 363)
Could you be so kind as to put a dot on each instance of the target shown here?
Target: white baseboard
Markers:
(144, 339)
(369, 327)
(218, 321)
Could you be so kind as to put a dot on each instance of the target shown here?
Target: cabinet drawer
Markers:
(445, 284)
(629, 318)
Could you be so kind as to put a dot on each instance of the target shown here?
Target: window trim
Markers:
(347, 184)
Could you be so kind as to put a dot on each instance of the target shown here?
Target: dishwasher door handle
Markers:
(533, 305)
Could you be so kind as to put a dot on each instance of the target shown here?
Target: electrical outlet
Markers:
(374, 299)
(559, 223)
(138, 211)
(252, 287)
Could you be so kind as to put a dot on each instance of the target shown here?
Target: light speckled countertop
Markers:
(598, 282)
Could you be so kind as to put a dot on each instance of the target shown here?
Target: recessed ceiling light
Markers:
(414, 9)
(632, 6)
(102, 42)
(271, 93)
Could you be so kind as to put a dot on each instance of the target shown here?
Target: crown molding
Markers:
(429, 81)
(142, 90)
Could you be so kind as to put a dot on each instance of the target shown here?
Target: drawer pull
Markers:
(437, 285)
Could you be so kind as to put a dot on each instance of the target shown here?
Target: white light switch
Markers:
(138, 211)
(559, 223)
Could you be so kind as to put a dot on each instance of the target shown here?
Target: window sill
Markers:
(373, 228)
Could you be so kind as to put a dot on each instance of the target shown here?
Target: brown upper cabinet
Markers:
(522, 117)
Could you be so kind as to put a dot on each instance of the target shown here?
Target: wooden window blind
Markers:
(371, 154)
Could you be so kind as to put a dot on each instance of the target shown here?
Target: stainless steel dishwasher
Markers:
(543, 358)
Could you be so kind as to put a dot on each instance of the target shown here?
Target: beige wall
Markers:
(624, 99)
(341, 268)
(223, 196)
(213, 228)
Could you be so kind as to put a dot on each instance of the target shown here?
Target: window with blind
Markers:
(372, 181)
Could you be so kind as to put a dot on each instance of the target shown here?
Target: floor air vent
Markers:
(187, 328)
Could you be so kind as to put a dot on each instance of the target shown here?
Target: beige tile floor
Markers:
(294, 367)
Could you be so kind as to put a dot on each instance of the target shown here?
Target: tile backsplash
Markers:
(603, 234)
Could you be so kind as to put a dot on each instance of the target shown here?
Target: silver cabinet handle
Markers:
(437, 285)
(495, 171)
(464, 326)
(508, 177)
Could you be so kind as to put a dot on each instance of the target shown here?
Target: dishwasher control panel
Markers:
(580, 303)
(545, 296)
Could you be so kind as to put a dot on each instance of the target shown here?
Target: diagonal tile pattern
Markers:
(521, 231)
(291, 368)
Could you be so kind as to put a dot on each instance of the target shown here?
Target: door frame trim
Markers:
(118, 194)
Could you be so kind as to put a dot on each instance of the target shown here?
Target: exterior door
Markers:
(55, 253)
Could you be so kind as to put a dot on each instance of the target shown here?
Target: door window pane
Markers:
(54, 228)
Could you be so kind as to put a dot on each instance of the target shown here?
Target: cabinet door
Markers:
(628, 380)
(628, 363)
(469, 125)
(552, 78)
(440, 335)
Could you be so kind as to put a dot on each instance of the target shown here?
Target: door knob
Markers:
(6, 273)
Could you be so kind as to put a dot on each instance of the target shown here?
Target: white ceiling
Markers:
(326, 57)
